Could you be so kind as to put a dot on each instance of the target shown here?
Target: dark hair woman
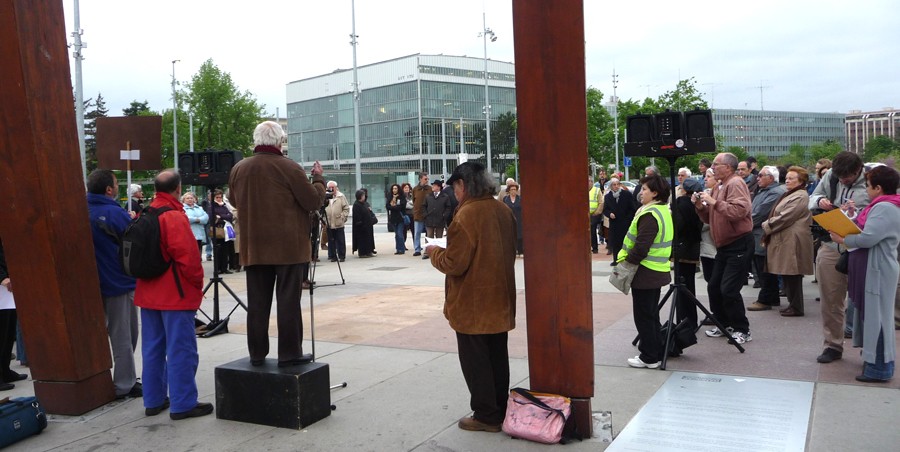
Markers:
(647, 248)
(514, 202)
(363, 220)
(873, 273)
(396, 207)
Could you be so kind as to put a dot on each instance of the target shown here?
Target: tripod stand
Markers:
(315, 238)
(678, 289)
(217, 325)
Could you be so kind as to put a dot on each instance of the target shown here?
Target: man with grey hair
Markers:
(480, 291)
(337, 211)
(769, 193)
(683, 175)
(727, 211)
(619, 206)
(275, 199)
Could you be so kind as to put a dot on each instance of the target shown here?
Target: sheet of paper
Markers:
(837, 222)
(442, 243)
(6, 299)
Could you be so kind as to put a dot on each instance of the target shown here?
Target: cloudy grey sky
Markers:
(820, 56)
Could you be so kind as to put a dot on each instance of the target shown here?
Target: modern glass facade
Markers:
(771, 133)
(416, 112)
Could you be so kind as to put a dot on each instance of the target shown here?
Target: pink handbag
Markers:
(536, 416)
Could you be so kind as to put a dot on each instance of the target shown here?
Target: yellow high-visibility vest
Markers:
(594, 197)
(661, 249)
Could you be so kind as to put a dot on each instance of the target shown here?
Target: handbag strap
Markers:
(527, 394)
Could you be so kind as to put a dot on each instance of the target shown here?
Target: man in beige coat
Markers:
(275, 198)
(480, 290)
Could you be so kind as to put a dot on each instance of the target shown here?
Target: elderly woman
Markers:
(514, 202)
(619, 206)
(872, 279)
(223, 248)
(789, 246)
(648, 246)
(197, 217)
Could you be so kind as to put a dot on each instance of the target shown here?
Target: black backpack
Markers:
(139, 250)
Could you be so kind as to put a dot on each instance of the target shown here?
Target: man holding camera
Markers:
(275, 198)
(337, 210)
(844, 187)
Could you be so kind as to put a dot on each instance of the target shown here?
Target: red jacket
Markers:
(179, 245)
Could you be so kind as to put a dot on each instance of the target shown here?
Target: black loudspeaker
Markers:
(288, 397)
(640, 128)
(698, 124)
(207, 167)
(187, 163)
(226, 160)
(670, 125)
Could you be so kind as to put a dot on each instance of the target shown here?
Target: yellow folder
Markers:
(835, 221)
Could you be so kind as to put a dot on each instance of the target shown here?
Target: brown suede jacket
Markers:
(479, 260)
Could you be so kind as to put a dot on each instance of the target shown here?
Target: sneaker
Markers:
(474, 425)
(829, 355)
(202, 409)
(716, 332)
(742, 338)
(639, 363)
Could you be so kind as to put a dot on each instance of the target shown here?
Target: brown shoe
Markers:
(791, 312)
(757, 306)
(474, 425)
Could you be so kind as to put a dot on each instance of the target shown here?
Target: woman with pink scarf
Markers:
(873, 273)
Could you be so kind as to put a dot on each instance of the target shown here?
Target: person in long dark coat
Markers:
(619, 206)
(514, 202)
(687, 248)
(363, 233)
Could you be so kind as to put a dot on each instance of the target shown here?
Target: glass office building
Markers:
(863, 126)
(415, 112)
(771, 133)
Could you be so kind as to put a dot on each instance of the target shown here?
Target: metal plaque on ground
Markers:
(700, 412)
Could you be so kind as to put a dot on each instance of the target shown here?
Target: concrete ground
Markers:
(383, 333)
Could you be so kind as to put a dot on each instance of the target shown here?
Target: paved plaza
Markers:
(383, 333)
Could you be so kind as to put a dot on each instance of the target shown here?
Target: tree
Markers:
(600, 129)
(881, 147)
(90, 129)
(136, 108)
(224, 117)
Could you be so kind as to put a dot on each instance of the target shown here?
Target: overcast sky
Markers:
(818, 56)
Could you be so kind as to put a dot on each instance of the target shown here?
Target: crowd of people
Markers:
(746, 223)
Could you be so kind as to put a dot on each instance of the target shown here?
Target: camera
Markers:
(329, 193)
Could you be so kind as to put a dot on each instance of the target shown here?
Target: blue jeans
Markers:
(417, 235)
(169, 349)
(400, 237)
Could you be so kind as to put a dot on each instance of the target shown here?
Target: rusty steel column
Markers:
(44, 221)
(550, 98)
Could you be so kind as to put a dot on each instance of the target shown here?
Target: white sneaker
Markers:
(742, 338)
(716, 332)
(637, 362)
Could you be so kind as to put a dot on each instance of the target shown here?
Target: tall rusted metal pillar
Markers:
(552, 117)
(44, 221)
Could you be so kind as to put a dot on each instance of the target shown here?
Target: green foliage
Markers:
(807, 157)
(600, 129)
(92, 110)
(136, 108)
(224, 117)
(880, 148)
(503, 138)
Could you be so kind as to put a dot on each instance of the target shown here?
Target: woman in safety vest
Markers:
(648, 245)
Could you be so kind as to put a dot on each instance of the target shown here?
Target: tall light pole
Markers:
(174, 117)
(79, 94)
(487, 99)
(356, 140)
(615, 80)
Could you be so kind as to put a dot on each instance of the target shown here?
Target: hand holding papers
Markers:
(836, 221)
(441, 243)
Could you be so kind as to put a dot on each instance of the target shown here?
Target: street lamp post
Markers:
(79, 95)
(174, 117)
(615, 80)
(356, 143)
(487, 99)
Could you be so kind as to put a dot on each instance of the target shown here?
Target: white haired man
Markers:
(275, 199)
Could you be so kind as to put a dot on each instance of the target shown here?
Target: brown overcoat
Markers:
(480, 287)
(275, 198)
(790, 247)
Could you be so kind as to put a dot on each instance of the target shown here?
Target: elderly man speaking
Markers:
(480, 291)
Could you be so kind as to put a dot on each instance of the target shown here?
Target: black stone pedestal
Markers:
(289, 397)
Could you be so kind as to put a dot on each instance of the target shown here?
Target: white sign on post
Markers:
(134, 154)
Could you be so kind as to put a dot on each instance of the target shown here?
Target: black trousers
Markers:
(793, 287)
(484, 359)
(728, 275)
(596, 228)
(646, 320)
(285, 280)
(7, 337)
(768, 283)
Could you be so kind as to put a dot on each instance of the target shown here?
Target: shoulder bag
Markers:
(536, 416)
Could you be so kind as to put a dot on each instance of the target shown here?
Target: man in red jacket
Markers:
(168, 306)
